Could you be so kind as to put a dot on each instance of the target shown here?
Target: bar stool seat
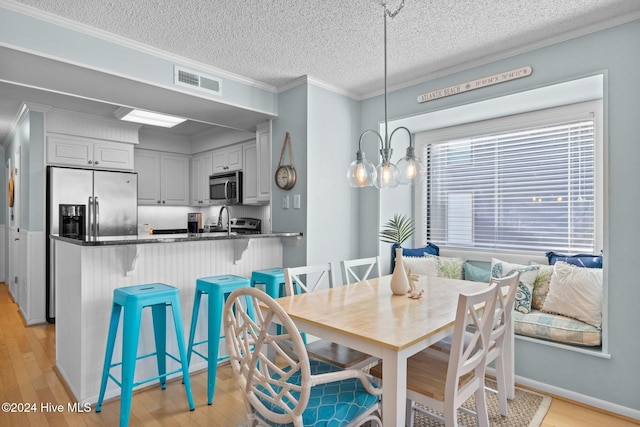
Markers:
(218, 289)
(134, 299)
(273, 280)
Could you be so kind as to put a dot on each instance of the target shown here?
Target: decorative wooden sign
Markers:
(506, 76)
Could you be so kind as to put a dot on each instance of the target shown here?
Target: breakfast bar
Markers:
(87, 272)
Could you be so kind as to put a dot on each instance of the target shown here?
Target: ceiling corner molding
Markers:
(25, 109)
(131, 44)
(307, 79)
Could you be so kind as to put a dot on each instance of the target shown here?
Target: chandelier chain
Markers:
(393, 14)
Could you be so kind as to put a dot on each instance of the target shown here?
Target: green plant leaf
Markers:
(397, 230)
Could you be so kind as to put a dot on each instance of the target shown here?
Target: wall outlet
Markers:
(296, 201)
(285, 201)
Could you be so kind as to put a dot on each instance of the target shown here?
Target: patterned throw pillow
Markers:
(431, 265)
(528, 275)
(452, 268)
(541, 286)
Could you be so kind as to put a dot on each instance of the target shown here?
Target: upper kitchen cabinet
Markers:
(88, 153)
(257, 167)
(227, 159)
(163, 178)
(201, 169)
(250, 176)
(263, 148)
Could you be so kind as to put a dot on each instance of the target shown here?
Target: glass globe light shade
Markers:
(411, 170)
(387, 175)
(361, 172)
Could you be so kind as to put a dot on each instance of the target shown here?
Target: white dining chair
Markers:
(444, 384)
(357, 270)
(310, 279)
(503, 315)
(294, 390)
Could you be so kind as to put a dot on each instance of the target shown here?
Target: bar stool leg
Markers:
(130, 335)
(216, 302)
(159, 315)
(177, 320)
(194, 321)
(111, 339)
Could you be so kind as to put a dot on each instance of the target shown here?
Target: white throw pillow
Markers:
(427, 266)
(576, 292)
(528, 274)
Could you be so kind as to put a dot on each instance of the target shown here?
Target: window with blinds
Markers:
(525, 189)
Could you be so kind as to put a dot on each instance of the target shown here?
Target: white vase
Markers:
(399, 279)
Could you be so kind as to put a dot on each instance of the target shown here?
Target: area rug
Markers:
(526, 409)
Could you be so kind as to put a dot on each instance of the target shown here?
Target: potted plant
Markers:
(396, 231)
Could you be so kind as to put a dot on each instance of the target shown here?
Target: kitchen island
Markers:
(87, 272)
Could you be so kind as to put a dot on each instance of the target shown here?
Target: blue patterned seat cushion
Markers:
(554, 327)
(331, 405)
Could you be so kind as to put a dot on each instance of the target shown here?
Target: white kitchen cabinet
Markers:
(257, 176)
(163, 178)
(87, 153)
(201, 169)
(227, 159)
(250, 174)
(263, 149)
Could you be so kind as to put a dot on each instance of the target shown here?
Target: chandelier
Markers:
(408, 170)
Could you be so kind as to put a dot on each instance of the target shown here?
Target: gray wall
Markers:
(614, 52)
(292, 118)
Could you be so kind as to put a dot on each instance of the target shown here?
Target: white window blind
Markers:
(529, 189)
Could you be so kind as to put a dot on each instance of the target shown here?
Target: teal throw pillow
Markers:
(476, 273)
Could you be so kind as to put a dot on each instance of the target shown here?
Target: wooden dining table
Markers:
(366, 316)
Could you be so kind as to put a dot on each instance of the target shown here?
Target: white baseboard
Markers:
(581, 398)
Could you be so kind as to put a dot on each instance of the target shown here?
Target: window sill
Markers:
(591, 351)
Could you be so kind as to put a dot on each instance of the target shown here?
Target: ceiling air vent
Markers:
(184, 77)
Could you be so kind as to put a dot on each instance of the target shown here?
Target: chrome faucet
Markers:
(222, 209)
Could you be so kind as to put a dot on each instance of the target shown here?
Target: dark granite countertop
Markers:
(169, 238)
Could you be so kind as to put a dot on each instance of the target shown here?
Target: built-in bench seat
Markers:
(530, 320)
(554, 327)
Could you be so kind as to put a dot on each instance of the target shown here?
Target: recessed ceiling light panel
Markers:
(148, 117)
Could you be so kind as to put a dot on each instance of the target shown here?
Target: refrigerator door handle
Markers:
(97, 216)
(90, 216)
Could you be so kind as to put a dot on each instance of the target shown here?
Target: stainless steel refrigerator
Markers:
(110, 201)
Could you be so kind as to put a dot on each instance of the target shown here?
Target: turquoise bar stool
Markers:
(134, 299)
(273, 280)
(218, 289)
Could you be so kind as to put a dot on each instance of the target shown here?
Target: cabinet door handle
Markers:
(90, 162)
(163, 202)
(96, 162)
(159, 202)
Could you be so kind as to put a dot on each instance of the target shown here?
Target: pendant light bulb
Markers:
(361, 172)
(387, 175)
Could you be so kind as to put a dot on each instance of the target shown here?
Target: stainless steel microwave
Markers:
(226, 188)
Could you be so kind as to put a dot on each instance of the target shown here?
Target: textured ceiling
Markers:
(336, 41)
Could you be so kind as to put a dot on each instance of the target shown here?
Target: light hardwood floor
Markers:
(27, 376)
